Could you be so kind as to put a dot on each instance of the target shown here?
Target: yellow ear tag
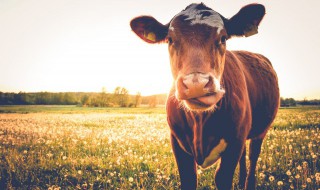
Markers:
(151, 36)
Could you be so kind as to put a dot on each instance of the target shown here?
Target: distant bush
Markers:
(287, 102)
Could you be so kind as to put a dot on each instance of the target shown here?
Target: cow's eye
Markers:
(223, 39)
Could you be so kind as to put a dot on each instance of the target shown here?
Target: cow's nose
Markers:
(195, 85)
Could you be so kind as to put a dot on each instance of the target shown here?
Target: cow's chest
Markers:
(201, 135)
(215, 154)
(203, 156)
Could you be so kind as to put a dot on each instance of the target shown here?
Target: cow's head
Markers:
(197, 45)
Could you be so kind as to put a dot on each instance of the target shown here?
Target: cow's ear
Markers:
(246, 21)
(149, 29)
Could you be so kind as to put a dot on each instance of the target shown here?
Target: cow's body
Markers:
(252, 101)
(246, 112)
(220, 98)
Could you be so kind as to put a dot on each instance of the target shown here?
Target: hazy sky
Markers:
(78, 45)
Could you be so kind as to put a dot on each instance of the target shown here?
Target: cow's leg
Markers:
(186, 166)
(243, 169)
(228, 164)
(255, 149)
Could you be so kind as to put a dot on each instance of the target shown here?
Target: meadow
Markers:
(68, 147)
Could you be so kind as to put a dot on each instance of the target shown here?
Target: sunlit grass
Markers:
(72, 109)
(131, 150)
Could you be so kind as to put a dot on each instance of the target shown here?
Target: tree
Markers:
(121, 96)
(69, 98)
(292, 102)
(43, 98)
(138, 100)
(153, 101)
(286, 102)
(85, 100)
(104, 99)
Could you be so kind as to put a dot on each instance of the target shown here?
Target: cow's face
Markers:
(197, 45)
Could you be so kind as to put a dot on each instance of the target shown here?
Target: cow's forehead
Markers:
(200, 14)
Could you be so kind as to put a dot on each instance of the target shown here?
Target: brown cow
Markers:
(220, 98)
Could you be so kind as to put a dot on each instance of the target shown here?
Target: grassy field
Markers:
(68, 147)
(72, 109)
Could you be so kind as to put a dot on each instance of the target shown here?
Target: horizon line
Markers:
(164, 93)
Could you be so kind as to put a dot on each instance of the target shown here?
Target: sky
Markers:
(83, 46)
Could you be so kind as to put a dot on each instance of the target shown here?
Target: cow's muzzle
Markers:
(199, 91)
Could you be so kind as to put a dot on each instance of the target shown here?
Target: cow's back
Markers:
(263, 89)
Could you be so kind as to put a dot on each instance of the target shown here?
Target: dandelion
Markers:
(288, 173)
(297, 176)
(271, 178)
(317, 177)
(49, 155)
(262, 175)
(280, 183)
(84, 186)
(305, 164)
(292, 186)
(299, 167)
(54, 188)
(309, 180)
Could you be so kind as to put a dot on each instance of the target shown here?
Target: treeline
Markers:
(290, 102)
(120, 97)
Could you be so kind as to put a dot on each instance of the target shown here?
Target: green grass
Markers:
(72, 109)
(68, 147)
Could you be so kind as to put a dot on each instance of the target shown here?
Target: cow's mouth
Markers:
(204, 103)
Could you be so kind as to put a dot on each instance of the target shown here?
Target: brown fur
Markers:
(200, 113)
(245, 112)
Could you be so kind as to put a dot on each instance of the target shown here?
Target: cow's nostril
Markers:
(181, 89)
(184, 85)
(210, 83)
